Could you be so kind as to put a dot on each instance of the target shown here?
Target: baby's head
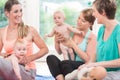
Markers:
(59, 17)
(20, 48)
(98, 73)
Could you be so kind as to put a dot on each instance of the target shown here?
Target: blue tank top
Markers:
(83, 45)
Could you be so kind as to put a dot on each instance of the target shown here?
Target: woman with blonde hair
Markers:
(8, 36)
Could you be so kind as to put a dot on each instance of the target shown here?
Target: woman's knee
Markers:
(51, 58)
(64, 62)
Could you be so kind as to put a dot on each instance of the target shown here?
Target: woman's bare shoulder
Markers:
(33, 30)
(2, 30)
(92, 36)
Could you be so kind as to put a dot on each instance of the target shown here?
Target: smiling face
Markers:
(99, 17)
(59, 18)
(82, 23)
(15, 14)
(85, 19)
(104, 10)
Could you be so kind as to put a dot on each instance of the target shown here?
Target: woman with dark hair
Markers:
(8, 36)
(83, 46)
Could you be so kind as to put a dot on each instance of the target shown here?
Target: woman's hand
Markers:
(68, 42)
(5, 55)
(85, 78)
(24, 60)
(60, 38)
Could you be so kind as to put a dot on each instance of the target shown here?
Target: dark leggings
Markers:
(64, 67)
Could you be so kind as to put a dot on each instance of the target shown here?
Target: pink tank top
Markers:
(9, 46)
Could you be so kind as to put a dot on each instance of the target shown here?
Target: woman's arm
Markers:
(89, 55)
(81, 54)
(43, 49)
(107, 64)
(1, 43)
(39, 43)
(91, 47)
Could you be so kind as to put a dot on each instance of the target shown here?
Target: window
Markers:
(47, 7)
(3, 20)
(71, 9)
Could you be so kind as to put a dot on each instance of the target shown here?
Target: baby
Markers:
(19, 51)
(64, 29)
(92, 73)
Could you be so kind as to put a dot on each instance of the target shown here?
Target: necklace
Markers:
(12, 29)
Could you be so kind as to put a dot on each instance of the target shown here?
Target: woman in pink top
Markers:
(17, 30)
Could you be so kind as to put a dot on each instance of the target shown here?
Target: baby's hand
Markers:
(5, 55)
(19, 77)
(45, 36)
(82, 33)
(27, 68)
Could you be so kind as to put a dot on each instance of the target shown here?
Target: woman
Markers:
(17, 30)
(108, 47)
(83, 45)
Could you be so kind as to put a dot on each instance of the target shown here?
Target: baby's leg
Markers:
(71, 53)
(64, 51)
(65, 54)
(82, 72)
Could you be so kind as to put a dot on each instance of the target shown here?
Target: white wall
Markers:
(31, 13)
(96, 27)
(31, 16)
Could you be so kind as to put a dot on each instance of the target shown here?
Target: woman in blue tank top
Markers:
(83, 45)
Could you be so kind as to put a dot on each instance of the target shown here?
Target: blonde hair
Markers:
(61, 12)
(22, 30)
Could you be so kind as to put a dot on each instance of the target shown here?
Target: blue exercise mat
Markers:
(39, 77)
